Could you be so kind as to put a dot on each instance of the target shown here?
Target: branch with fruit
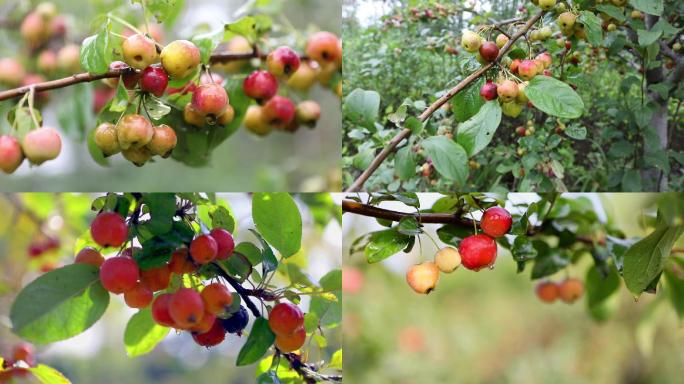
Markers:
(163, 97)
(549, 234)
(174, 259)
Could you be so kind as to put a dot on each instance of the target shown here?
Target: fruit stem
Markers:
(239, 289)
(124, 23)
(31, 95)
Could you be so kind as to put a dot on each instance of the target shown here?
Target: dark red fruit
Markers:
(160, 310)
(109, 229)
(282, 61)
(496, 222)
(119, 274)
(477, 252)
(225, 243)
(203, 249)
(260, 85)
(214, 337)
(489, 51)
(154, 80)
(488, 91)
(279, 111)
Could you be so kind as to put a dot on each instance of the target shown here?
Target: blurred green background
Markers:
(98, 355)
(305, 161)
(489, 327)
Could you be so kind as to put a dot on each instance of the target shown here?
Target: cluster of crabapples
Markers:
(568, 290)
(276, 112)
(37, 146)
(474, 252)
(16, 364)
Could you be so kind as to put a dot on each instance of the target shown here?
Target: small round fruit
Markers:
(285, 318)
(41, 145)
(203, 249)
(547, 4)
(163, 141)
(160, 310)
(208, 320)
(210, 100)
(214, 337)
(255, 122)
(570, 290)
(511, 109)
(69, 58)
(545, 58)
(156, 279)
(279, 111)
(515, 64)
(448, 259)
(282, 61)
(134, 131)
(527, 69)
(24, 352)
(140, 296)
(677, 47)
(89, 255)
(130, 78)
(423, 277)
(139, 51)
(547, 291)
(260, 85)
(119, 274)
(227, 117)
(507, 90)
(224, 241)
(471, 41)
(34, 29)
(496, 222)
(154, 80)
(489, 91)
(308, 113)
(291, 342)
(106, 138)
(109, 229)
(138, 156)
(236, 322)
(324, 47)
(566, 20)
(180, 263)
(11, 72)
(521, 98)
(180, 58)
(192, 117)
(305, 77)
(217, 298)
(477, 252)
(489, 51)
(11, 155)
(501, 40)
(47, 62)
(186, 307)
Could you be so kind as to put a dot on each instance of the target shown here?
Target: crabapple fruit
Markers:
(89, 255)
(545, 58)
(511, 109)
(210, 100)
(305, 77)
(192, 117)
(160, 310)
(489, 51)
(489, 91)
(186, 307)
(547, 4)
(134, 131)
(501, 40)
(208, 320)
(119, 274)
(447, 259)
(137, 156)
(527, 69)
(521, 97)
(130, 78)
(217, 298)
(260, 85)
(203, 249)
(285, 318)
(154, 80)
(69, 58)
(226, 117)
(180, 58)
(471, 41)
(324, 47)
(163, 141)
(35, 29)
(236, 322)
(515, 64)
(11, 72)
(109, 229)
(477, 252)
(255, 122)
(423, 277)
(47, 61)
(496, 222)
(213, 337)
(41, 145)
(224, 241)
(11, 155)
(282, 61)
(156, 279)
(279, 111)
(308, 112)
(139, 51)
(570, 290)
(291, 342)
(140, 296)
(180, 263)
(106, 138)
(507, 90)
(547, 291)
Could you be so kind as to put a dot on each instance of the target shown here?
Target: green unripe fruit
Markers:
(471, 41)
(566, 20)
(511, 109)
(106, 139)
(180, 58)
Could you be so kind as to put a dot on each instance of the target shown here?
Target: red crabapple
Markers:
(186, 307)
(488, 91)
(260, 85)
(496, 222)
(282, 61)
(89, 255)
(160, 310)
(41, 145)
(547, 291)
(140, 296)
(570, 290)
(154, 80)
(203, 249)
(119, 274)
(156, 279)
(208, 320)
(130, 78)
(279, 111)
(291, 342)
(163, 141)
(215, 336)
(109, 229)
(477, 252)
(11, 72)
(11, 155)
(180, 263)
(224, 241)
(489, 51)
(210, 100)
(217, 298)
(285, 318)
(324, 47)
(507, 90)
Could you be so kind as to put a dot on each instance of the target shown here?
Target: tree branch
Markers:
(423, 218)
(243, 292)
(404, 133)
(307, 371)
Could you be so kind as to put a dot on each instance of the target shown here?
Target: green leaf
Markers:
(383, 244)
(277, 218)
(405, 163)
(163, 10)
(675, 286)
(268, 259)
(95, 51)
(476, 133)
(336, 360)
(259, 341)
(448, 157)
(576, 132)
(599, 288)
(612, 11)
(468, 102)
(245, 27)
(47, 375)
(653, 7)
(362, 107)
(162, 208)
(648, 37)
(409, 226)
(644, 261)
(59, 304)
(592, 26)
(328, 307)
(143, 333)
(554, 97)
